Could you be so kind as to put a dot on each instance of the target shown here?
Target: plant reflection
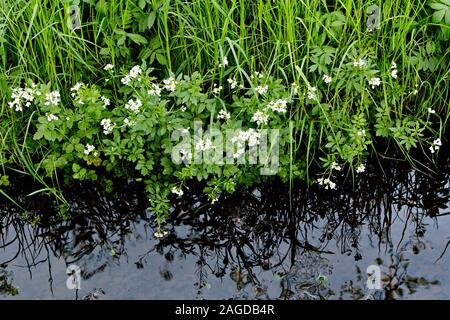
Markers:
(265, 231)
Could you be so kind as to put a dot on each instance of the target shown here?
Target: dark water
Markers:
(260, 244)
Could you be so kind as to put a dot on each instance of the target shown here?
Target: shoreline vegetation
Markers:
(96, 89)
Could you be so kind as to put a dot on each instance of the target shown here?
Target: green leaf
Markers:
(137, 38)
(438, 16)
(151, 19)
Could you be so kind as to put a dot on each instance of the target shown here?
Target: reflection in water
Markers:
(262, 244)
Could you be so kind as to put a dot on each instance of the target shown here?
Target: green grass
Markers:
(295, 41)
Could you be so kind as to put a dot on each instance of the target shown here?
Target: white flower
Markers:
(415, 92)
(251, 135)
(155, 90)
(361, 133)
(431, 111)
(51, 117)
(134, 73)
(106, 101)
(214, 200)
(436, 145)
(326, 78)
(160, 233)
(109, 67)
(186, 155)
(311, 94)
(129, 122)
(204, 144)
(76, 88)
(257, 75)
(394, 70)
(107, 125)
(359, 63)
(394, 73)
(232, 82)
(52, 98)
(335, 166)
(89, 148)
(374, 82)
(224, 62)
(126, 80)
(279, 106)
(361, 168)
(133, 105)
(327, 183)
(217, 89)
(178, 191)
(224, 115)
(21, 98)
(262, 89)
(260, 117)
(437, 142)
(170, 84)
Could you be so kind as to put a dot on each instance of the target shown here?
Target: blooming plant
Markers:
(117, 96)
(131, 133)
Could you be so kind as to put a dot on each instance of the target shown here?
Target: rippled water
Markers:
(260, 244)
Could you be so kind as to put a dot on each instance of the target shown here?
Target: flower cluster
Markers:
(204, 144)
(134, 73)
(21, 98)
(89, 148)
(106, 101)
(128, 122)
(186, 155)
(155, 90)
(51, 117)
(335, 166)
(326, 78)
(160, 233)
(107, 125)
(224, 115)
(224, 62)
(170, 84)
(279, 106)
(311, 94)
(250, 135)
(394, 70)
(52, 98)
(178, 191)
(133, 105)
(361, 168)
(359, 63)
(217, 89)
(374, 82)
(74, 90)
(233, 83)
(262, 89)
(260, 117)
(436, 145)
(257, 74)
(327, 183)
(109, 67)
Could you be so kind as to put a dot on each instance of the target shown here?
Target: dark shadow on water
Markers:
(256, 244)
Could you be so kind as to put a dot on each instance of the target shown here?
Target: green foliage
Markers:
(338, 79)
